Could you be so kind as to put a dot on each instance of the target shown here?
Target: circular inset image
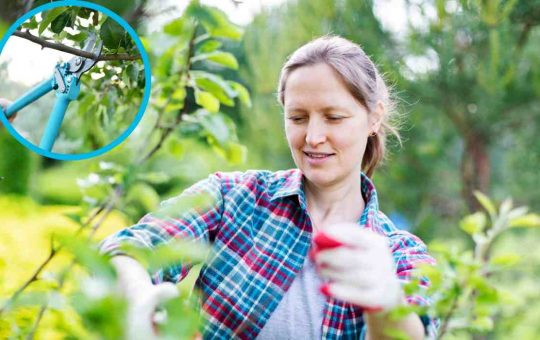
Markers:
(75, 80)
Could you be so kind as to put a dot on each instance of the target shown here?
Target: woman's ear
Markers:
(376, 117)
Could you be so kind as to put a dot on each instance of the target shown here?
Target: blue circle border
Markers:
(147, 73)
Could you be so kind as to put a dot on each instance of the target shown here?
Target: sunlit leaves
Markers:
(88, 256)
(207, 100)
(215, 85)
(463, 285)
(49, 17)
(143, 195)
(214, 21)
(166, 255)
(112, 34)
(527, 221)
(486, 203)
(178, 26)
(209, 46)
(224, 59)
(66, 19)
(242, 93)
(474, 223)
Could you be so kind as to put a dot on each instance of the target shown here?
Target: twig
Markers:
(33, 278)
(52, 254)
(448, 316)
(71, 50)
(106, 211)
(32, 332)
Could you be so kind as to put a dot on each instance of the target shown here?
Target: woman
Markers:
(260, 281)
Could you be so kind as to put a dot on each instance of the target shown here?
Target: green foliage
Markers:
(465, 286)
(185, 110)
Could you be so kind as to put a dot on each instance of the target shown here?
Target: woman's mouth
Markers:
(315, 158)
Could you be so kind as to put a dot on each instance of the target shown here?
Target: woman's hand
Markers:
(4, 103)
(142, 296)
(359, 265)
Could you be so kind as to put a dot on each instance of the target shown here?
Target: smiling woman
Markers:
(260, 281)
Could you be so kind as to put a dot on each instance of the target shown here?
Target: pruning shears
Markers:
(66, 81)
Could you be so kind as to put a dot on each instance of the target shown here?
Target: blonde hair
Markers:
(361, 78)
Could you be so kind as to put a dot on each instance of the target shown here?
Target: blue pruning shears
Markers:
(66, 80)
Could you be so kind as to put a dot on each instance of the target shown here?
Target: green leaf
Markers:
(243, 93)
(179, 94)
(84, 12)
(505, 207)
(63, 20)
(527, 221)
(225, 59)
(79, 37)
(165, 62)
(473, 224)
(209, 46)
(88, 256)
(517, 212)
(51, 15)
(175, 27)
(133, 71)
(145, 195)
(216, 127)
(207, 100)
(215, 85)
(31, 24)
(154, 177)
(236, 153)
(112, 34)
(214, 21)
(175, 147)
(166, 255)
(509, 259)
(486, 203)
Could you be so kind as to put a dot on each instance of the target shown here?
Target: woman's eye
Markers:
(296, 119)
(335, 118)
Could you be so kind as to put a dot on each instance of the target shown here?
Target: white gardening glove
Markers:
(143, 298)
(359, 266)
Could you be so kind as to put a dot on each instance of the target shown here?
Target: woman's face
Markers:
(326, 127)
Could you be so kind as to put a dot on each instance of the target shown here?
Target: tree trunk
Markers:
(475, 169)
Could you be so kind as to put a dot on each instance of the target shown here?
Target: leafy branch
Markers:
(172, 112)
(464, 293)
(44, 43)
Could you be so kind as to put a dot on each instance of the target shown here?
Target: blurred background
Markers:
(466, 78)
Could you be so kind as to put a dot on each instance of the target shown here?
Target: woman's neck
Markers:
(342, 202)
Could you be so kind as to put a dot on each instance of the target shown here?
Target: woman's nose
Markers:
(315, 133)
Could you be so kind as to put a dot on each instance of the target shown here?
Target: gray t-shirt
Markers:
(299, 314)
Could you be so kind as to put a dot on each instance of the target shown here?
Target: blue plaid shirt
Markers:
(260, 232)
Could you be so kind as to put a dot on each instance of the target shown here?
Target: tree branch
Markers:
(106, 211)
(75, 51)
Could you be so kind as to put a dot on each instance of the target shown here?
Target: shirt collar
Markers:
(291, 184)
